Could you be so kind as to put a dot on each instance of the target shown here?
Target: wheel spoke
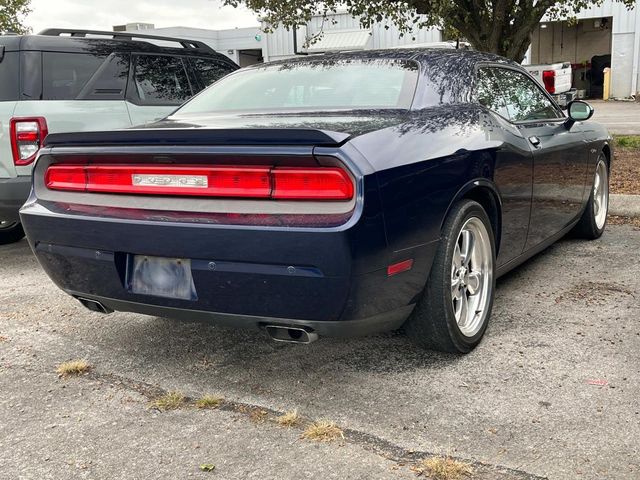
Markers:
(455, 287)
(457, 258)
(467, 246)
(463, 309)
(474, 282)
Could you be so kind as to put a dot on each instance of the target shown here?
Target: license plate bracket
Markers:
(161, 277)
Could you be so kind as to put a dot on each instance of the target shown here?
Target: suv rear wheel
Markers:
(10, 232)
(453, 313)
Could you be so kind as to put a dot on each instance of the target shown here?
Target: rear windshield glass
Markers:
(64, 75)
(9, 74)
(312, 85)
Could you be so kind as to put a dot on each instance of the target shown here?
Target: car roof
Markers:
(95, 45)
(421, 55)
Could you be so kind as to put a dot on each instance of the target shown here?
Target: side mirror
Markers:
(578, 111)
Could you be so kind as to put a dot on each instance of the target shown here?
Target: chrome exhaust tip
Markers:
(94, 305)
(279, 333)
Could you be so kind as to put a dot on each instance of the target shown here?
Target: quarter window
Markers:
(210, 71)
(160, 80)
(489, 94)
(523, 97)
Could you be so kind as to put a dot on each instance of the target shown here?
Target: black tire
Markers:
(11, 234)
(587, 227)
(432, 324)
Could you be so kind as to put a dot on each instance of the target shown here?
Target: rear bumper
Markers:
(13, 193)
(332, 281)
(382, 322)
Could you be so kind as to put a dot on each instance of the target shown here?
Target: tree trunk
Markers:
(505, 29)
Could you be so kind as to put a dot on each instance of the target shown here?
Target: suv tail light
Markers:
(27, 137)
(549, 79)
(260, 182)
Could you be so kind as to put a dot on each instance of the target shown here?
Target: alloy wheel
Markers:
(601, 194)
(471, 276)
(6, 225)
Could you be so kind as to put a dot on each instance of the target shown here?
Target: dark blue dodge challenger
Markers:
(332, 195)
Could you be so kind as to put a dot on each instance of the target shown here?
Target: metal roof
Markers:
(337, 40)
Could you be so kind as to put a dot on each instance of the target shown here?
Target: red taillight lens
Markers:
(27, 137)
(66, 177)
(549, 79)
(322, 183)
(312, 183)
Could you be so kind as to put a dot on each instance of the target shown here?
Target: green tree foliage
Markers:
(12, 13)
(499, 26)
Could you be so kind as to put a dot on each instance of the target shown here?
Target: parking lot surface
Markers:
(621, 118)
(552, 391)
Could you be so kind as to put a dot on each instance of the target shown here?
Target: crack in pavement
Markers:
(369, 442)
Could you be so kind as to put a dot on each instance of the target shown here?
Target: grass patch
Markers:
(627, 141)
(444, 468)
(73, 368)
(289, 419)
(323, 431)
(207, 467)
(170, 401)
(258, 415)
(209, 401)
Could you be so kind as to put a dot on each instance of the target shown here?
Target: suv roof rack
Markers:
(189, 44)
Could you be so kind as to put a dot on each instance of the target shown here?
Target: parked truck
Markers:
(557, 79)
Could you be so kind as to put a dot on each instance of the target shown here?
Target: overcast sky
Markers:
(104, 14)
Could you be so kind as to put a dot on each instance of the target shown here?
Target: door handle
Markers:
(535, 141)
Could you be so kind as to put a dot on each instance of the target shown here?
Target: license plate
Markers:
(162, 277)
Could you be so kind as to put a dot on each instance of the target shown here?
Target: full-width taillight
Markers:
(266, 182)
(27, 136)
(549, 79)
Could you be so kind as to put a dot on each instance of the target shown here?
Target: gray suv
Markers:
(81, 80)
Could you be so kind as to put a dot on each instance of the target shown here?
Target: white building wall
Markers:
(280, 42)
(625, 41)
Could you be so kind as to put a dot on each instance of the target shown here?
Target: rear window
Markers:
(9, 74)
(64, 75)
(312, 85)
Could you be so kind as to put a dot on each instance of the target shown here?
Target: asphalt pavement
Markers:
(620, 117)
(552, 391)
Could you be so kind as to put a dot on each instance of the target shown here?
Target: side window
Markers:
(210, 71)
(523, 97)
(160, 80)
(109, 82)
(64, 75)
(488, 92)
(9, 76)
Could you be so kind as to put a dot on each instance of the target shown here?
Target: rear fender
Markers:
(467, 191)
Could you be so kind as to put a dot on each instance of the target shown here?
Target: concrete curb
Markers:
(624, 205)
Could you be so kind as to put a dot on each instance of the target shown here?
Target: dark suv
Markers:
(81, 80)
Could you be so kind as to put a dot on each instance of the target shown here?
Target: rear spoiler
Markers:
(199, 137)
